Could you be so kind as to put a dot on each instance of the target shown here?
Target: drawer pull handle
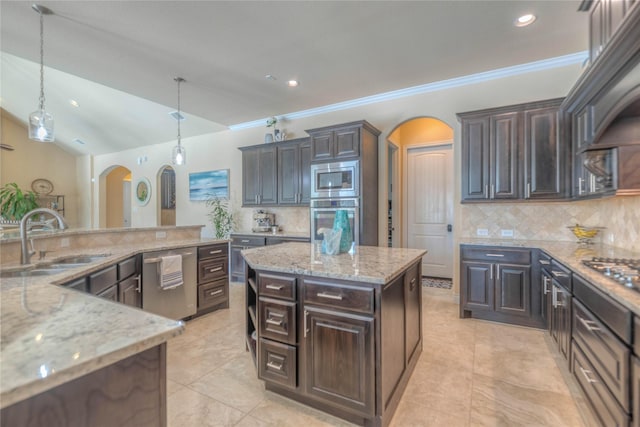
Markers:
(219, 251)
(213, 270)
(559, 273)
(274, 287)
(218, 292)
(586, 375)
(496, 255)
(274, 366)
(545, 283)
(329, 296)
(245, 241)
(274, 322)
(544, 262)
(306, 314)
(588, 324)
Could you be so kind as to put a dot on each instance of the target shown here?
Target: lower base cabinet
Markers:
(316, 340)
(635, 385)
(213, 278)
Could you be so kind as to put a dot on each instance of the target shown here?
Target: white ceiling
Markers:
(118, 58)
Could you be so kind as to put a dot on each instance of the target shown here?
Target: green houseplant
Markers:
(221, 217)
(15, 203)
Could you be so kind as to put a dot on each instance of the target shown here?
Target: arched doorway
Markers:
(423, 201)
(167, 200)
(115, 197)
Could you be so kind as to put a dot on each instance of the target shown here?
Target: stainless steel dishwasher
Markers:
(176, 303)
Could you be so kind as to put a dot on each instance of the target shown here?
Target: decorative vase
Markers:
(268, 138)
(341, 222)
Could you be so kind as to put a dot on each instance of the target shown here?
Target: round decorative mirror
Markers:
(143, 191)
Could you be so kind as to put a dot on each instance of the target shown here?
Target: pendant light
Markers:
(179, 155)
(41, 122)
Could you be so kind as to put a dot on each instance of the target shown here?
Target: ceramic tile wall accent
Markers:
(291, 219)
(549, 221)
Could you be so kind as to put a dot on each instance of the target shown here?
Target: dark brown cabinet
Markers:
(294, 172)
(316, 340)
(129, 292)
(213, 277)
(496, 285)
(561, 317)
(605, 17)
(513, 153)
(339, 363)
(335, 143)
(635, 384)
(259, 176)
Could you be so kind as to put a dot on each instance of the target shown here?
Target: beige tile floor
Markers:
(471, 373)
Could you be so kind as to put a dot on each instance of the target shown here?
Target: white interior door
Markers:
(430, 207)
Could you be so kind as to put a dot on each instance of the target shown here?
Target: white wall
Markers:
(220, 150)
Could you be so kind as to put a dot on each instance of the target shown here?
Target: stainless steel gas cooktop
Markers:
(623, 270)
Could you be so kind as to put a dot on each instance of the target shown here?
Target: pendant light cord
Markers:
(179, 80)
(41, 62)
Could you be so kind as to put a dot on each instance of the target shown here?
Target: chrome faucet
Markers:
(25, 257)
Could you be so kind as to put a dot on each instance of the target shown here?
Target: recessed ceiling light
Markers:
(525, 20)
(74, 102)
(292, 83)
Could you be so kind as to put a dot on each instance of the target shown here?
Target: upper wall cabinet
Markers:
(605, 18)
(340, 142)
(277, 173)
(513, 153)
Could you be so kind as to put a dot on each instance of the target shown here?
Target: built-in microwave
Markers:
(338, 179)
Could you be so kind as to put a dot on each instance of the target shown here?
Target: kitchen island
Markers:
(340, 333)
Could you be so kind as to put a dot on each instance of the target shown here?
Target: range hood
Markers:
(623, 130)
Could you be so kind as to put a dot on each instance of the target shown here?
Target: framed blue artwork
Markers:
(204, 185)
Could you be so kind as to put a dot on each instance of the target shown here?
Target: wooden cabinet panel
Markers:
(259, 176)
(78, 284)
(110, 293)
(352, 298)
(346, 143)
(277, 286)
(339, 366)
(513, 290)
(340, 142)
(103, 279)
(213, 294)
(597, 29)
(250, 177)
(268, 176)
(129, 291)
(504, 156)
(212, 269)
(212, 251)
(321, 144)
(475, 159)
(561, 318)
(305, 173)
(635, 385)
(544, 154)
(545, 290)
(412, 302)
(288, 174)
(478, 290)
(128, 267)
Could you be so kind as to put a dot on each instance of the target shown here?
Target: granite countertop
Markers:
(369, 264)
(51, 335)
(572, 254)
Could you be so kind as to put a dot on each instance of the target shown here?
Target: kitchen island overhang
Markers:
(341, 333)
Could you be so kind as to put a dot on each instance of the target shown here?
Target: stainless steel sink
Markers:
(79, 259)
(32, 272)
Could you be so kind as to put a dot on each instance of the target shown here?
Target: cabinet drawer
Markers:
(127, 268)
(212, 269)
(212, 251)
(101, 280)
(561, 273)
(277, 363)
(213, 293)
(351, 298)
(499, 255)
(603, 405)
(271, 285)
(611, 313)
(110, 293)
(606, 353)
(544, 260)
(277, 320)
(248, 241)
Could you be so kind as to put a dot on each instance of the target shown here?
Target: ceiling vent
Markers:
(78, 141)
(177, 116)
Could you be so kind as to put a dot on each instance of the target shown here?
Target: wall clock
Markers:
(42, 186)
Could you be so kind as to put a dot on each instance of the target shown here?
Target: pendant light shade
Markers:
(41, 122)
(179, 154)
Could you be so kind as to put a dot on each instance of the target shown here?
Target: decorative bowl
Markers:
(583, 233)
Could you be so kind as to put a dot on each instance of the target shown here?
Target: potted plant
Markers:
(268, 137)
(221, 217)
(15, 203)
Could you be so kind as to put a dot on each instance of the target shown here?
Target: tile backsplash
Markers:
(549, 221)
(288, 219)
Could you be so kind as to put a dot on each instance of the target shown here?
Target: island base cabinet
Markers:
(635, 384)
(339, 360)
(131, 392)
